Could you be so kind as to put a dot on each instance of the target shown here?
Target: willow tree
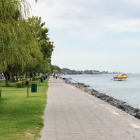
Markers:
(20, 49)
(13, 48)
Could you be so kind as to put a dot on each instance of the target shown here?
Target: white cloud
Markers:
(105, 24)
(125, 26)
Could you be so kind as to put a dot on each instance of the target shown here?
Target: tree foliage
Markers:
(55, 69)
(24, 44)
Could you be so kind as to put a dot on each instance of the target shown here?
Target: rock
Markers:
(94, 93)
(120, 106)
(136, 110)
(116, 102)
(100, 95)
(133, 114)
(108, 99)
(112, 103)
(94, 90)
(128, 108)
(103, 98)
(138, 115)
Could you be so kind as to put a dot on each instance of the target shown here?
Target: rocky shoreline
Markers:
(114, 102)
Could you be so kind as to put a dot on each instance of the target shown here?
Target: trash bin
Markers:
(34, 88)
(42, 80)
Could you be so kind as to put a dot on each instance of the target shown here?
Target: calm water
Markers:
(128, 91)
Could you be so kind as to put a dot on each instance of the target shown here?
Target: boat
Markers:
(121, 76)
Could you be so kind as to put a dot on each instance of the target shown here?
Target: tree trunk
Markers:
(20, 76)
(13, 78)
(34, 74)
(6, 78)
(31, 75)
(16, 77)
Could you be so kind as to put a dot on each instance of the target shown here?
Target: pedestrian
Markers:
(56, 76)
(3, 75)
(64, 78)
(53, 76)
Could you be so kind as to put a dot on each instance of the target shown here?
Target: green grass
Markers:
(21, 116)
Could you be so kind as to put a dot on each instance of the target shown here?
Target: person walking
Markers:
(53, 76)
(64, 78)
(3, 75)
(56, 76)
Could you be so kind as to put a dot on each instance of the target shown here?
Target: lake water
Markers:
(128, 90)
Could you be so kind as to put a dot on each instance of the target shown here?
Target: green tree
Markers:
(55, 69)
(24, 45)
(13, 34)
(40, 33)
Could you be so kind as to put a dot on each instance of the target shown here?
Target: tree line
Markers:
(24, 43)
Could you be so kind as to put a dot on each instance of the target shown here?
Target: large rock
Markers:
(103, 98)
(94, 93)
(120, 106)
(138, 115)
(128, 108)
(136, 110)
(100, 95)
(109, 99)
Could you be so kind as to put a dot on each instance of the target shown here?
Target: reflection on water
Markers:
(127, 90)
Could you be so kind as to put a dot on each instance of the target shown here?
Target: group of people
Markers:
(55, 75)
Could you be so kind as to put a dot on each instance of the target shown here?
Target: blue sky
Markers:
(93, 34)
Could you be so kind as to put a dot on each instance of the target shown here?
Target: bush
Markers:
(18, 84)
(27, 82)
(23, 83)
(36, 78)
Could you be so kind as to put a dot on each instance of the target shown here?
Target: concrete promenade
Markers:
(71, 114)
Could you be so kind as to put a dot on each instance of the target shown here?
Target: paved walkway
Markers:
(71, 114)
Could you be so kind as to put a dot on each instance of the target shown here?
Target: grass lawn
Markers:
(21, 116)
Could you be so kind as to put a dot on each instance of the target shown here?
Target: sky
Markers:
(93, 34)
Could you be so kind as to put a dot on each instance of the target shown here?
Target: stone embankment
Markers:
(114, 102)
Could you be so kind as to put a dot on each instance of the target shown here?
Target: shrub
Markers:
(27, 82)
(18, 84)
(37, 78)
(23, 83)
